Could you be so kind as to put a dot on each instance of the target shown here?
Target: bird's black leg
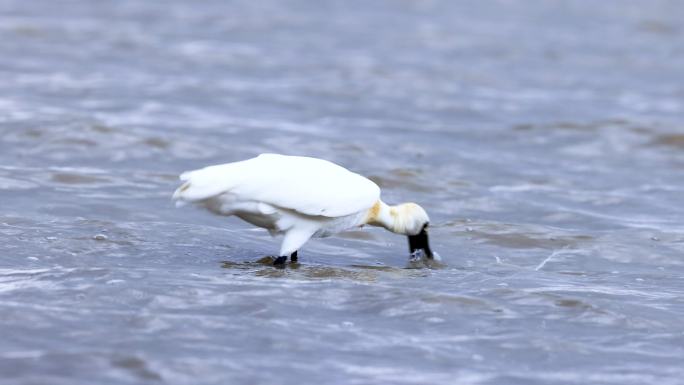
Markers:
(280, 261)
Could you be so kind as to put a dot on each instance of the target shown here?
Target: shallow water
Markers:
(545, 139)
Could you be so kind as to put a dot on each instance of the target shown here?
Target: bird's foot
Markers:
(280, 261)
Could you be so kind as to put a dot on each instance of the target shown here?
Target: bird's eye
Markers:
(425, 226)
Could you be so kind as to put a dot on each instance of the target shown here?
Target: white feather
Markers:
(306, 185)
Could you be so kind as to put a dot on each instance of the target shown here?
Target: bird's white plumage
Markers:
(298, 197)
(306, 185)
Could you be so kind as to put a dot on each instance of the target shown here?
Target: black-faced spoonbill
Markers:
(301, 197)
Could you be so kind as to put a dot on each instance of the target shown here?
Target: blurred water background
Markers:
(546, 140)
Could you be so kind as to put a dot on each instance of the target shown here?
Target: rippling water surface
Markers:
(546, 140)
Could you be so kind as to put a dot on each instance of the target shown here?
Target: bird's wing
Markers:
(307, 185)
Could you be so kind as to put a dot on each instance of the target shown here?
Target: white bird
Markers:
(300, 197)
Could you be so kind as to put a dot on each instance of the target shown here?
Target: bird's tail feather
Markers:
(178, 194)
(202, 184)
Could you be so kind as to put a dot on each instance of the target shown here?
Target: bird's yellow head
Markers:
(409, 219)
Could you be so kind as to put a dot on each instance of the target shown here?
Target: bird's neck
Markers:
(384, 215)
